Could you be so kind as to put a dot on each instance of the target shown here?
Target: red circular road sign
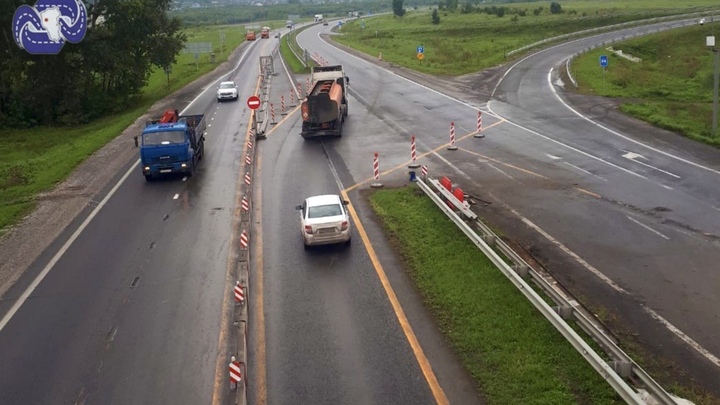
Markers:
(253, 102)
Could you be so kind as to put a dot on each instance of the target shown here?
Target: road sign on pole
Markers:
(420, 56)
(420, 49)
(253, 102)
(603, 60)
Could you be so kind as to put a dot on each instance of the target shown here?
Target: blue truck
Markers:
(172, 147)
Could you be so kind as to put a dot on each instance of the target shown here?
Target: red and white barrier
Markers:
(479, 133)
(413, 164)
(247, 178)
(282, 106)
(239, 293)
(248, 160)
(245, 204)
(307, 86)
(250, 144)
(376, 172)
(292, 97)
(423, 171)
(235, 373)
(244, 240)
(452, 137)
(272, 114)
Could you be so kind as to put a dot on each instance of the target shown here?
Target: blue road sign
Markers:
(420, 49)
(603, 60)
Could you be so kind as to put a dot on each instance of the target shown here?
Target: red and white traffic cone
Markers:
(376, 172)
(479, 133)
(413, 164)
(292, 97)
(452, 137)
(282, 106)
(272, 114)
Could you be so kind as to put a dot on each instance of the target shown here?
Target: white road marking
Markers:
(687, 339)
(648, 228)
(503, 172)
(634, 156)
(627, 138)
(585, 171)
(175, 197)
(39, 278)
(184, 178)
(553, 157)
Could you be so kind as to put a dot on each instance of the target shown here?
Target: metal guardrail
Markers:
(611, 28)
(614, 371)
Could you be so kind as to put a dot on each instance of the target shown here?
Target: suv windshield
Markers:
(227, 86)
(163, 138)
(324, 211)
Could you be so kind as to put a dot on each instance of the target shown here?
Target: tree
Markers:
(435, 17)
(398, 9)
(555, 8)
(452, 5)
(102, 74)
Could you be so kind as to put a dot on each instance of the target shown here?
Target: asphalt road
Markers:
(636, 219)
(131, 311)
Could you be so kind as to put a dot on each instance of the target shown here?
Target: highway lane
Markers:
(131, 312)
(640, 230)
(331, 334)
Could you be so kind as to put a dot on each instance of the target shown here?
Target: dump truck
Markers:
(325, 108)
(265, 32)
(250, 35)
(172, 147)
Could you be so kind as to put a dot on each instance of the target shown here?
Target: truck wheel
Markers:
(148, 177)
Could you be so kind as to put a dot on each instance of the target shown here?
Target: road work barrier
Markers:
(413, 157)
(452, 146)
(617, 368)
(479, 133)
(376, 172)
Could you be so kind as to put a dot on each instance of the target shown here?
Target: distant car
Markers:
(227, 91)
(325, 22)
(324, 220)
(702, 21)
(277, 35)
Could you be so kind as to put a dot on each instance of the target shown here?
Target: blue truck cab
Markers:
(174, 147)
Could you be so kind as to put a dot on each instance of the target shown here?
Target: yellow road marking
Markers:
(260, 364)
(424, 363)
(504, 163)
(430, 152)
(582, 190)
(220, 362)
(281, 121)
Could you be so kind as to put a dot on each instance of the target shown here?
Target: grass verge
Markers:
(513, 353)
(288, 43)
(35, 160)
(670, 88)
(467, 41)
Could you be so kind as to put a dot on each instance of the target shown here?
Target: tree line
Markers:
(103, 74)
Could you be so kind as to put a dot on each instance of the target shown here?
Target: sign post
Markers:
(253, 102)
(604, 65)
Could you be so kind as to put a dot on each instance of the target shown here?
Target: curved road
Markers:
(624, 219)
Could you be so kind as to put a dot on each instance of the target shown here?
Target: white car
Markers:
(227, 91)
(324, 220)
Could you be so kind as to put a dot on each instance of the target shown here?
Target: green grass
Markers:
(672, 86)
(292, 62)
(37, 159)
(465, 43)
(511, 350)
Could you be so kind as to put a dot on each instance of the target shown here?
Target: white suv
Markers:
(227, 91)
(324, 219)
